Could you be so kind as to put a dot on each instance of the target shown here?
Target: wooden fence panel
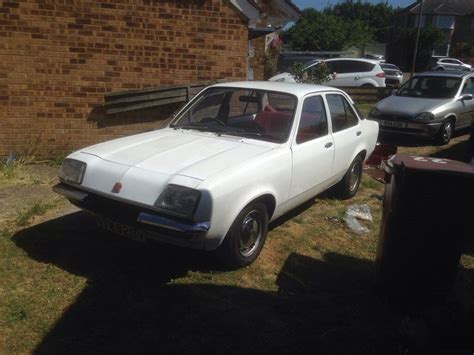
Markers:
(124, 101)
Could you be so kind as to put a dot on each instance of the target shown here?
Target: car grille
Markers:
(394, 117)
(126, 213)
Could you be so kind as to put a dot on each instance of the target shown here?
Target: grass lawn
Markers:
(67, 287)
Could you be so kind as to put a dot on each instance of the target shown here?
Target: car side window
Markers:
(342, 114)
(313, 120)
(360, 67)
(468, 87)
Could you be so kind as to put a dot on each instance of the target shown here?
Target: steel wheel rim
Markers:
(250, 233)
(448, 130)
(354, 176)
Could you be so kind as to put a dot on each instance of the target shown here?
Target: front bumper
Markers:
(150, 223)
(418, 129)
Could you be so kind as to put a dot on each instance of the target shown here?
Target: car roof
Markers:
(364, 60)
(451, 73)
(296, 89)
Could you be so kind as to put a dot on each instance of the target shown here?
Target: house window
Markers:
(444, 21)
(423, 20)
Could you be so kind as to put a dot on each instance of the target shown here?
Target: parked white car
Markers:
(347, 72)
(236, 157)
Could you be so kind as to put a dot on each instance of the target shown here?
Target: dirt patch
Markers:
(29, 185)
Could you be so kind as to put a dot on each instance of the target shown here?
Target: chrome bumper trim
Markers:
(69, 193)
(159, 221)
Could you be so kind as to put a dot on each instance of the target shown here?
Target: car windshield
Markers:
(432, 87)
(256, 114)
(311, 63)
(389, 66)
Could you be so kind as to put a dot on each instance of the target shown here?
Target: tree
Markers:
(376, 17)
(317, 74)
(463, 50)
(315, 31)
(323, 31)
(430, 38)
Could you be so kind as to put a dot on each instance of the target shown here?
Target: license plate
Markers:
(393, 124)
(122, 229)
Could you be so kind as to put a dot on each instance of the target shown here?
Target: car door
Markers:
(451, 64)
(457, 65)
(339, 68)
(346, 132)
(312, 150)
(466, 107)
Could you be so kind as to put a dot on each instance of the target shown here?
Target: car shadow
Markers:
(458, 151)
(134, 300)
(406, 141)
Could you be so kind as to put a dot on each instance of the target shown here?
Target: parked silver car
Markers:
(393, 74)
(430, 105)
(450, 64)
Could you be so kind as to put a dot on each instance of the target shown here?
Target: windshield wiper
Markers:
(196, 126)
(250, 135)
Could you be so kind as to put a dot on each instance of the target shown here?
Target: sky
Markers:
(321, 4)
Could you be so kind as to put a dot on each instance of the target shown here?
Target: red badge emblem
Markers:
(117, 187)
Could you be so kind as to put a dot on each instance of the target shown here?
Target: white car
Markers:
(236, 157)
(347, 72)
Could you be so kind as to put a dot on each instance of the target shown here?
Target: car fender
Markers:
(368, 80)
(229, 192)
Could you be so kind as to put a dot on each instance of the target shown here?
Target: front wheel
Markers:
(246, 237)
(349, 184)
(445, 132)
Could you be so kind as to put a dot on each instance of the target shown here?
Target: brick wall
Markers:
(59, 58)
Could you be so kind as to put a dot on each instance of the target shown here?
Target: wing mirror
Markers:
(465, 97)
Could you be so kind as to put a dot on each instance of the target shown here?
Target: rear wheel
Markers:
(445, 132)
(246, 237)
(349, 184)
(367, 86)
(440, 69)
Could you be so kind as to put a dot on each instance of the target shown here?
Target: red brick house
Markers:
(59, 58)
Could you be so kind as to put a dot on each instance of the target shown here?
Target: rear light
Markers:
(380, 75)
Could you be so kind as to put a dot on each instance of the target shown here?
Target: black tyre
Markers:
(246, 237)
(370, 86)
(445, 132)
(349, 184)
(440, 69)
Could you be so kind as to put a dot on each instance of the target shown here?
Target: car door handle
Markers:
(357, 77)
(358, 133)
(328, 145)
